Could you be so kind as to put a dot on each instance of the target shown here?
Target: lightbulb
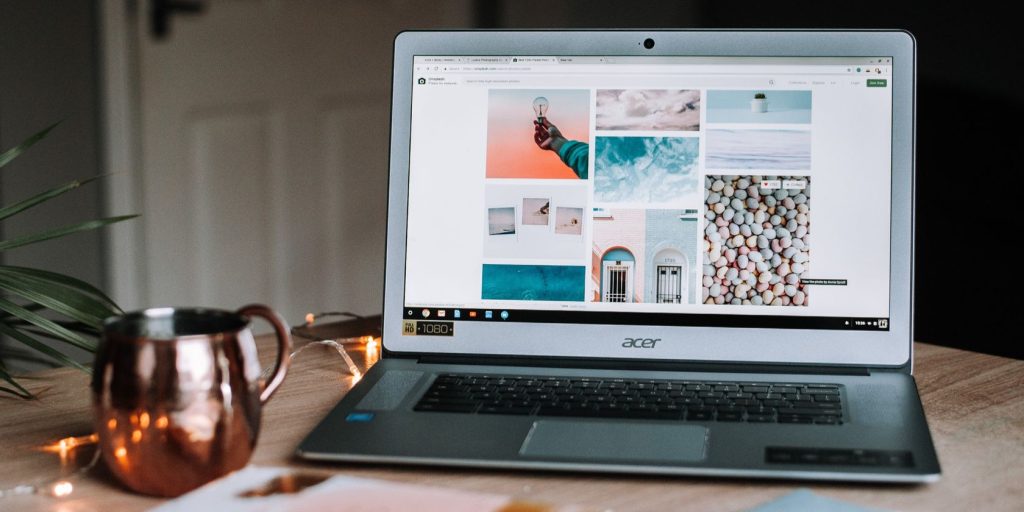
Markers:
(540, 107)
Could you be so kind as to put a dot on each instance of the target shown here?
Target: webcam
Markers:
(648, 43)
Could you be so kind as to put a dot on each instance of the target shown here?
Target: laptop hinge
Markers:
(643, 365)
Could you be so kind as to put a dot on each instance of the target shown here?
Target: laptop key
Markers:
(820, 391)
(446, 407)
(795, 418)
(506, 410)
(827, 420)
(812, 412)
(700, 414)
(717, 401)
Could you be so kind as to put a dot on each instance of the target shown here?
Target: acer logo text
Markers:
(640, 342)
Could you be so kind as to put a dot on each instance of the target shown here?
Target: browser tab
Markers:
(534, 60)
(487, 60)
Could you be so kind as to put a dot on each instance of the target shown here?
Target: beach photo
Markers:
(501, 221)
(535, 211)
(568, 220)
(759, 107)
(647, 170)
(648, 109)
(759, 149)
(529, 131)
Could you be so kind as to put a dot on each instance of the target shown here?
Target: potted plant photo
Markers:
(759, 104)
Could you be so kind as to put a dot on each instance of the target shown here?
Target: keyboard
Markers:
(679, 400)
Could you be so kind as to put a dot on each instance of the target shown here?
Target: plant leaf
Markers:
(39, 346)
(51, 328)
(21, 206)
(78, 327)
(64, 280)
(63, 231)
(66, 301)
(18, 391)
(13, 153)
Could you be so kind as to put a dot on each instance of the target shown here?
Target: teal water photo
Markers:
(534, 282)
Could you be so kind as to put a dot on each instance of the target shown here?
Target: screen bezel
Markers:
(890, 348)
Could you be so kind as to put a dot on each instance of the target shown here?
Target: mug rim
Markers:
(130, 324)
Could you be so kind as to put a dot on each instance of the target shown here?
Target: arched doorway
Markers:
(670, 283)
(617, 274)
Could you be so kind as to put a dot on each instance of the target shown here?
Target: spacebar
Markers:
(584, 412)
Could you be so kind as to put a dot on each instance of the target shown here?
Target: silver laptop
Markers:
(666, 252)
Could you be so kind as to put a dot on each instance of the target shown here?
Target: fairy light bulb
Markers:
(540, 107)
(62, 489)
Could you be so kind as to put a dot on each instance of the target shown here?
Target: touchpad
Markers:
(615, 441)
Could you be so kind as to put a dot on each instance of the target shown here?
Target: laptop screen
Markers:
(683, 191)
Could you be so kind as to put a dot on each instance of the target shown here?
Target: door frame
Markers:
(125, 248)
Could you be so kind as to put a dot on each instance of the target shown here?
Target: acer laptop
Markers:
(664, 252)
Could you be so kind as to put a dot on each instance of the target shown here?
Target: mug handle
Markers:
(284, 345)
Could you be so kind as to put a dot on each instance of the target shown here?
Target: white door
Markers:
(616, 281)
(670, 284)
(262, 154)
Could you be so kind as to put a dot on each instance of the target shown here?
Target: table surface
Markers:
(974, 403)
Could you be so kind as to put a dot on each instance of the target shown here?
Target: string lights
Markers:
(61, 487)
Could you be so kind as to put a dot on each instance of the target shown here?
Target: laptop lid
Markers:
(740, 196)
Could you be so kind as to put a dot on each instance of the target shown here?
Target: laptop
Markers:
(661, 252)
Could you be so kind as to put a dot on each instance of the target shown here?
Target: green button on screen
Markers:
(876, 82)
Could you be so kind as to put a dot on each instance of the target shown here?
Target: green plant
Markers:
(42, 304)
(759, 96)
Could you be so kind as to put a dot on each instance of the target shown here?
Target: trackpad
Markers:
(615, 441)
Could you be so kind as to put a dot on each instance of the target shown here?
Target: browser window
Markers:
(716, 191)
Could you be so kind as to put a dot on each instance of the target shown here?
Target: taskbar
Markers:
(645, 318)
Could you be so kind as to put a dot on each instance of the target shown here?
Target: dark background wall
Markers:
(49, 72)
(969, 110)
(969, 141)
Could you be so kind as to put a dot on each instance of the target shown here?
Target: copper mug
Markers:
(177, 394)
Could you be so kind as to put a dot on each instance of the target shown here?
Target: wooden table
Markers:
(974, 402)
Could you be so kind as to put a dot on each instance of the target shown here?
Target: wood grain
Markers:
(974, 402)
